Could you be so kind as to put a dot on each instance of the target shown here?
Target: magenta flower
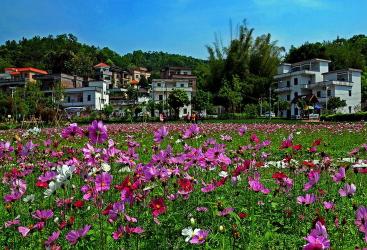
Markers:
(256, 185)
(340, 176)
(208, 188)
(192, 131)
(318, 238)
(307, 199)
(347, 190)
(199, 236)
(72, 131)
(97, 132)
(313, 178)
(226, 211)
(328, 205)
(11, 223)
(53, 237)
(242, 130)
(74, 235)
(361, 220)
(103, 182)
(43, 214)
(24, 231)
(160, 134)
(315, 243)
(202, 209)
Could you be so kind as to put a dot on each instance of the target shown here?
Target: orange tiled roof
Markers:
(101, 65)
(31, 69)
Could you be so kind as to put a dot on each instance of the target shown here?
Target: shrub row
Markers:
(360, 116)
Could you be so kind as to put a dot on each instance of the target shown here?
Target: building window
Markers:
(185, 111)
(350, 109)
(295, 81)
(89, 98)
(69, 99)
(329, 92)
(137, 76)
(288, 83)
(350, 92)
(182, 85)
(158, 84)
(160, 97)
(288, 97)
(295, 94)
(318, 94)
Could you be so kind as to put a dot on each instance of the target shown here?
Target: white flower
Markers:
(188, 232)
(64, 173)
(29, 198)
(125, 170)
(178, 141)
(56, 219)
(105, 167)
(223, 174)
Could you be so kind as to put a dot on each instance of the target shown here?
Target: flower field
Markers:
(185, 186)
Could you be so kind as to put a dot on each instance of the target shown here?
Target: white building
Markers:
(94, 96)
(161, 88)
(312, 77)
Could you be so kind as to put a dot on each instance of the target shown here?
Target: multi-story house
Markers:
(161, 88)
(18, 77)
(138, 73)
(180, 73)
(312, 78)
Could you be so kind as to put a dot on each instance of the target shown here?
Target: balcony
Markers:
(170, 89)
(282, 89)
(12, 82)
(331, 83)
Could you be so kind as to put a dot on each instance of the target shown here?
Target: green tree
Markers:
(230, 94)
(202, 100)
(334, 103)
(143, 82)
(177, 99)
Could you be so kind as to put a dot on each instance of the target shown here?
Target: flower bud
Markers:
(192, 221)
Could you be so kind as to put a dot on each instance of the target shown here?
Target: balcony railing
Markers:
(282, 89)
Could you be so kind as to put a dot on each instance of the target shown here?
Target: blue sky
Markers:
(180, 26)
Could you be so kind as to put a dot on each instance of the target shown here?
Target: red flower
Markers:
(107, 209)
(220, 182)
(279, 175)
(242, 215)
(71, 220)
(124, 184)
(185, 186)
(316, 142)
(158, 206)
(297, 147)
(309, 164)
(42, 184)
(79, 204)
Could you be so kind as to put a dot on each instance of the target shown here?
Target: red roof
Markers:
(134, 82)
(28, 69)
(101, 65)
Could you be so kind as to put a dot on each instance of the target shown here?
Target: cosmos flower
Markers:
(43, 214)
(339, 176)
(318, 238)
(72, 131)
(313, 178)
(158, 207)
(53, 237)
(307, 199)
(103, 182)
(361, 220)
(242, 130)
(74, 235)
(160, 134)
(97, 132)
(347, 190)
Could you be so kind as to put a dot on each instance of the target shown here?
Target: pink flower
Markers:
(307, 199)
(74, 235)
(103, 182)
(242, 130)
(226, 211)
(256, 185)
(347, 190)
(202, 209)
(43, 214)
(328, 205)
(11, 223)
(160, 134)
(208, 188)
(313, 178)
(361, 220)
(72, 131)
(97, 132)
(340, 176)
(199, 237)
(54, 236)
(24, 231)
(192, 131)
(158, 206)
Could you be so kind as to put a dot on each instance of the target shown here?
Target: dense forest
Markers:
(234, 75)
(63, 53)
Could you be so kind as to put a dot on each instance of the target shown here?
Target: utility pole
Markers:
(270, 103)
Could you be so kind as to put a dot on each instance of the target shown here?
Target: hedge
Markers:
(360, 116)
